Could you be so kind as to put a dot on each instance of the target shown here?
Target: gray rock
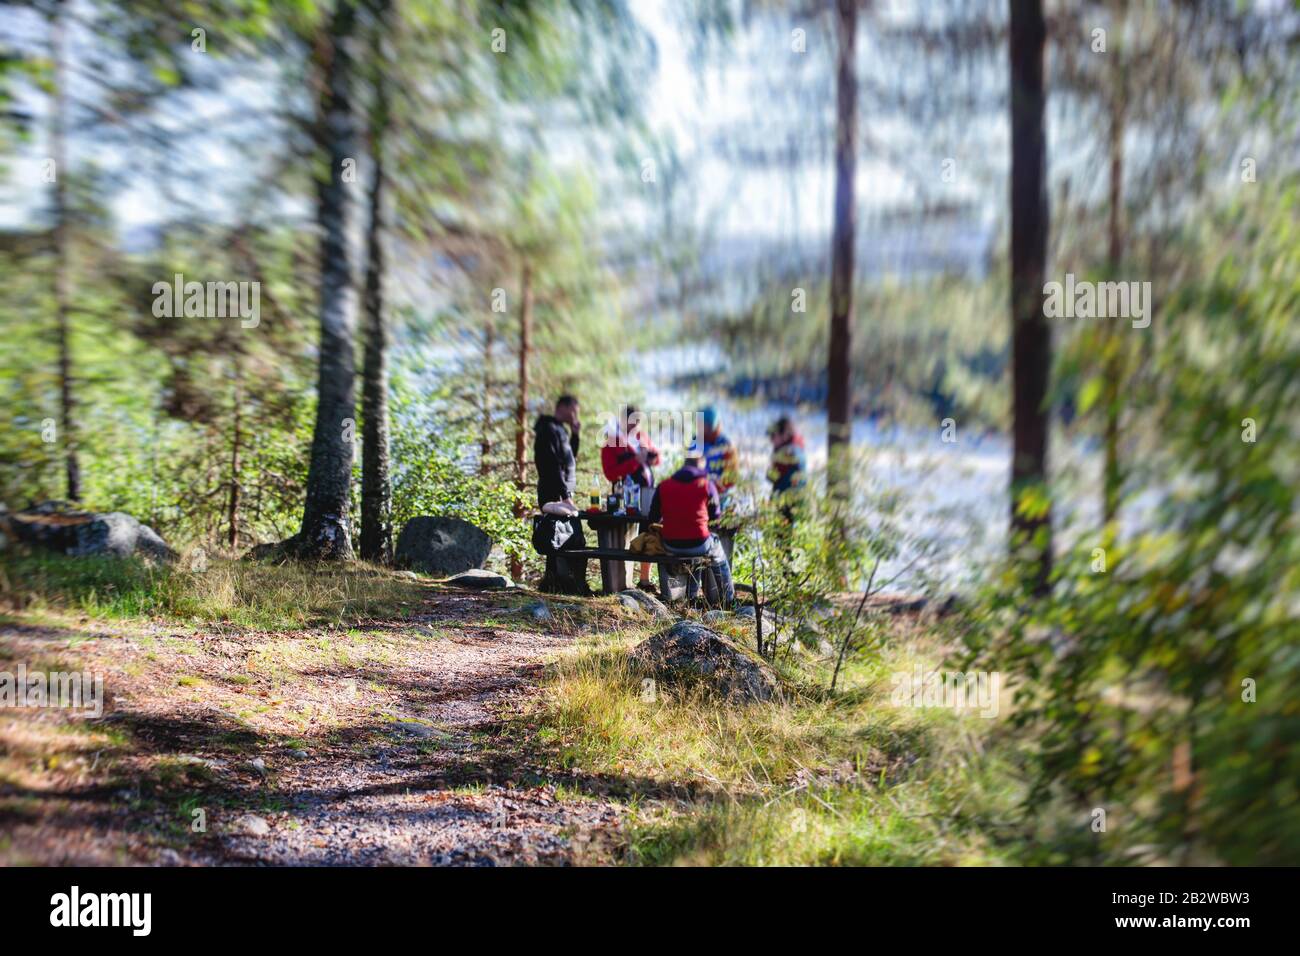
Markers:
(441, 546)
(477, 579)
(718, 616)
(539, 611)
(259, 765)
(416, 729)
(52, 526)
(642, 601)
(692, 652)
(252, 825)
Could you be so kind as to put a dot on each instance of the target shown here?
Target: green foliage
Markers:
(435, 471)
(1137, 681)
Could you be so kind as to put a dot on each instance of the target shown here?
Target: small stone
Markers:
(477, 579)
(539, 611)
(258, 764)
(416, 728)
(252, 825)
(634, 599)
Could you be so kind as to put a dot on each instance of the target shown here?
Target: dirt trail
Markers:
(383, 745)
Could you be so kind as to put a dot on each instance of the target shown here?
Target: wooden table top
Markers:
(604, 518)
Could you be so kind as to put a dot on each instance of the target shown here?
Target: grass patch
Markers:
(814, 779)
(243, 593)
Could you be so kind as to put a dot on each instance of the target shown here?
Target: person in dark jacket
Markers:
(685, 503)
(555, 452)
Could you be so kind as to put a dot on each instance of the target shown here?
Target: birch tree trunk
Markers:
(325, 530)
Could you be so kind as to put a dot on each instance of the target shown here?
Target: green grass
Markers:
(246, 594)
(815, 779)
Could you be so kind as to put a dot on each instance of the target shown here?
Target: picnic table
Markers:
(614, 531)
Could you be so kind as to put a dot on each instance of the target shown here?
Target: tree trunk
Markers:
(839, 397)
(521, 407)
(1113, 370)
(485, 406)
(325, 525)
(376, 488)
(1031, 344)
(236, 446)
(62, 263)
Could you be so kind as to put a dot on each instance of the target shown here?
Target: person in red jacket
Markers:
(629, 455)
(685, 503)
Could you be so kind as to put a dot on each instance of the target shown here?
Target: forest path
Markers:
(393, 743)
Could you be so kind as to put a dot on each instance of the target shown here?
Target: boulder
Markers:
(694, 653)
(441, 546)
(55, 527)
(479, 580)
(643, 602)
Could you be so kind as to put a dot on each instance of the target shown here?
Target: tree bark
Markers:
(376, 487)
(1113, 369)
(521, 407)
(1031, 344)
(236, 447)
(325, 530)
(485, 406)
(839, 396)
(62, 257)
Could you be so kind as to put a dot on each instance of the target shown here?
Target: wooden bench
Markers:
(614, 531)
(671, 586)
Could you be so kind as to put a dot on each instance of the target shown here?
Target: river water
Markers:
(953, 517)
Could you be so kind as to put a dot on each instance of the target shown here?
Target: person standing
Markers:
(789, 467)
(555, 452)
(720, 456)
(556, 439)
(628, 455)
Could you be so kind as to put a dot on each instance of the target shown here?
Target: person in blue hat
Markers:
(719, 453)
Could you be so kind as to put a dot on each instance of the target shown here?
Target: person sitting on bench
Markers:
(685, 503)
